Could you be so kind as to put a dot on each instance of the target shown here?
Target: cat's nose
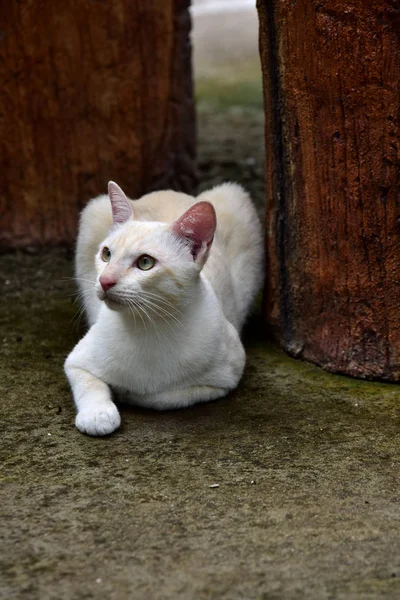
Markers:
(107, 282)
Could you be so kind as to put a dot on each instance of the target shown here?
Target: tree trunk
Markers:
(90, 91)
(331, 73)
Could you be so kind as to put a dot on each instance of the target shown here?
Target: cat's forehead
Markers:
(135, 231)
(137, 235)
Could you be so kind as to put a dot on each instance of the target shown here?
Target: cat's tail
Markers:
(240, 234)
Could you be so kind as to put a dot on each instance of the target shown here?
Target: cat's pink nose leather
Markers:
(106, 282)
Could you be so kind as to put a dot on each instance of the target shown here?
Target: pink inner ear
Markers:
(120, 205)
(197, 225)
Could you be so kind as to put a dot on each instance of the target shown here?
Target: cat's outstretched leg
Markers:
(97, 413)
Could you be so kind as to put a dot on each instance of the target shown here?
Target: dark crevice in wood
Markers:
(282, 177)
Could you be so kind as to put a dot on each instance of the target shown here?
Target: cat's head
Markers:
(151, 266)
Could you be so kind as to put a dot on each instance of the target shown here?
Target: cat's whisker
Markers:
(149, 317)
(156, 309)
(140, 307)
(154, 306)
(163, 301)
(142, 297)
(130, 306)
(143, 321)
(153, 309)
(168, 308)
(64, 279)
(159, 331)
(76, 279)
(76, 319)
(154, 297)
(77, 293)
(160, 301)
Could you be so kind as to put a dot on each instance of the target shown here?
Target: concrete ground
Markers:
(288, 489)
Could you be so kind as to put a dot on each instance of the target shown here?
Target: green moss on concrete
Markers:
(226, 93)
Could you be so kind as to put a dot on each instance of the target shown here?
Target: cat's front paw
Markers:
(98, 421)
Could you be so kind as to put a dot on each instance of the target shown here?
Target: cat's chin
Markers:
(113, 304)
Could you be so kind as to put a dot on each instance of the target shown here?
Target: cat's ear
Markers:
(121, 207)
(197, 227)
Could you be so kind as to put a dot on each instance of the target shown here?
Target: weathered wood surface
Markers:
(331, 72)
(90, 91)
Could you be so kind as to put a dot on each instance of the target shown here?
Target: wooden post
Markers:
(331, 72)
(90, 91)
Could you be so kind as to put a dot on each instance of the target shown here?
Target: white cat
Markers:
(167, 283)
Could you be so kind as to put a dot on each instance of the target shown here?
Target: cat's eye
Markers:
(145, 262)
(106, 254)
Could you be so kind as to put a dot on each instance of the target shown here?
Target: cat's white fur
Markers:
(181, 345)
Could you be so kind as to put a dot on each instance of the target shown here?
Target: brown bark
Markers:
(90, 91)
(331, 73)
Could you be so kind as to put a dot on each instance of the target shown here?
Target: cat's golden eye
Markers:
(145, 262)
(106, 254)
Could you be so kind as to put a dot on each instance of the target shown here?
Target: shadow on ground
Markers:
(287, 489)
